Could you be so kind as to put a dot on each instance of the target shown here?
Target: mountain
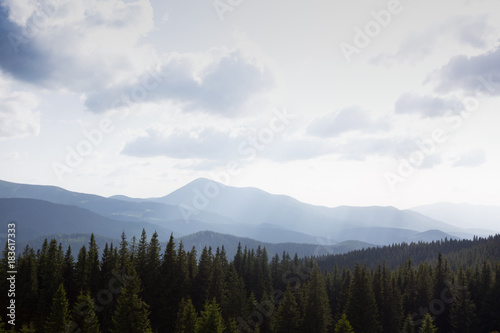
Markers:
(35, 218)
(205, 205)
(137, 210)
(252, 206)
(485, 219)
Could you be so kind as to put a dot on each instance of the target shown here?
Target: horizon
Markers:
(365, 104)
(252, 187)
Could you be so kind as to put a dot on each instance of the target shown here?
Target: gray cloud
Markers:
(221, 87)
(471, 158)
(478, 74)
(426, 106)
(206, 143)
(472, 31)
(345, 120)
(47, 49)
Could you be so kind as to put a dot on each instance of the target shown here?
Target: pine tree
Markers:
(152, 279)
(93, 266)
(288, 315)
(186, 317)
(317, 312)
(343, 325)
(68, 273)
(441, 277)
(131, 313)
(232, 307)
(462, 308)
(409, 325)
(82, 270)
(361, 308)
(59, 318)
(201, 282)
(428, 325)
(140, 262)
(84, 314)
(210, 320)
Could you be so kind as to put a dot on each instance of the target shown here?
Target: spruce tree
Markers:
(343, 325)
(232, 306)
(59, 318)
(409, 325)
(361, 308)
(462, 309)
(93, 266)
(131, 313)
(210, 320)
(186, 317)
(317, 313)
(428, 325)
(288, 315)
(84, 314)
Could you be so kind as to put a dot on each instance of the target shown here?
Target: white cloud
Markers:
(18, 115)
(347, 119)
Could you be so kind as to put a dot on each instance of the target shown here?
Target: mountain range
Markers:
(206, 212)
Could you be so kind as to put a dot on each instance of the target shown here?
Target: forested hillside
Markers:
(450, 286)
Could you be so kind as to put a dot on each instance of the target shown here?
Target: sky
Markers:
(391, 103)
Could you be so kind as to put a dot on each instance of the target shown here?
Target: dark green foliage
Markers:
(408, 326)
(210, 320)
(459, 289)
(317, 315)
(59, 318)
(131, 314)
(343, 325)
(84, 315)
(428, 325)
(463, 309)
(361, 308)
(288, 316)
(186, 317)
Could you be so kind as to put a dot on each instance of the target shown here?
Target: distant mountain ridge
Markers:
(205, 205)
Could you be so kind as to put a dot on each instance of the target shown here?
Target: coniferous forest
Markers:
(137, 286)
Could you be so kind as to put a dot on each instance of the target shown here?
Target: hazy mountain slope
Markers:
(130, 210)
(254, 206)
(464, 215)
(35, 218)
(213, 239)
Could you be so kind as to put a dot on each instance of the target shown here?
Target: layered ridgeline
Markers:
(439, 287)
(205, 205)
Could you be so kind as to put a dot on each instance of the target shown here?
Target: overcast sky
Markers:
(331, 102)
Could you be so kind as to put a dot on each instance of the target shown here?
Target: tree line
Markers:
(137, 286)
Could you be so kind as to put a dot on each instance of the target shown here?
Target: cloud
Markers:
(218, 83)
(211, 146)
(202, 143)
(345, 120)
(471, 158)
(467, 30)
(76, 45)
(426, 106)
(477, 74)
(18, 117)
